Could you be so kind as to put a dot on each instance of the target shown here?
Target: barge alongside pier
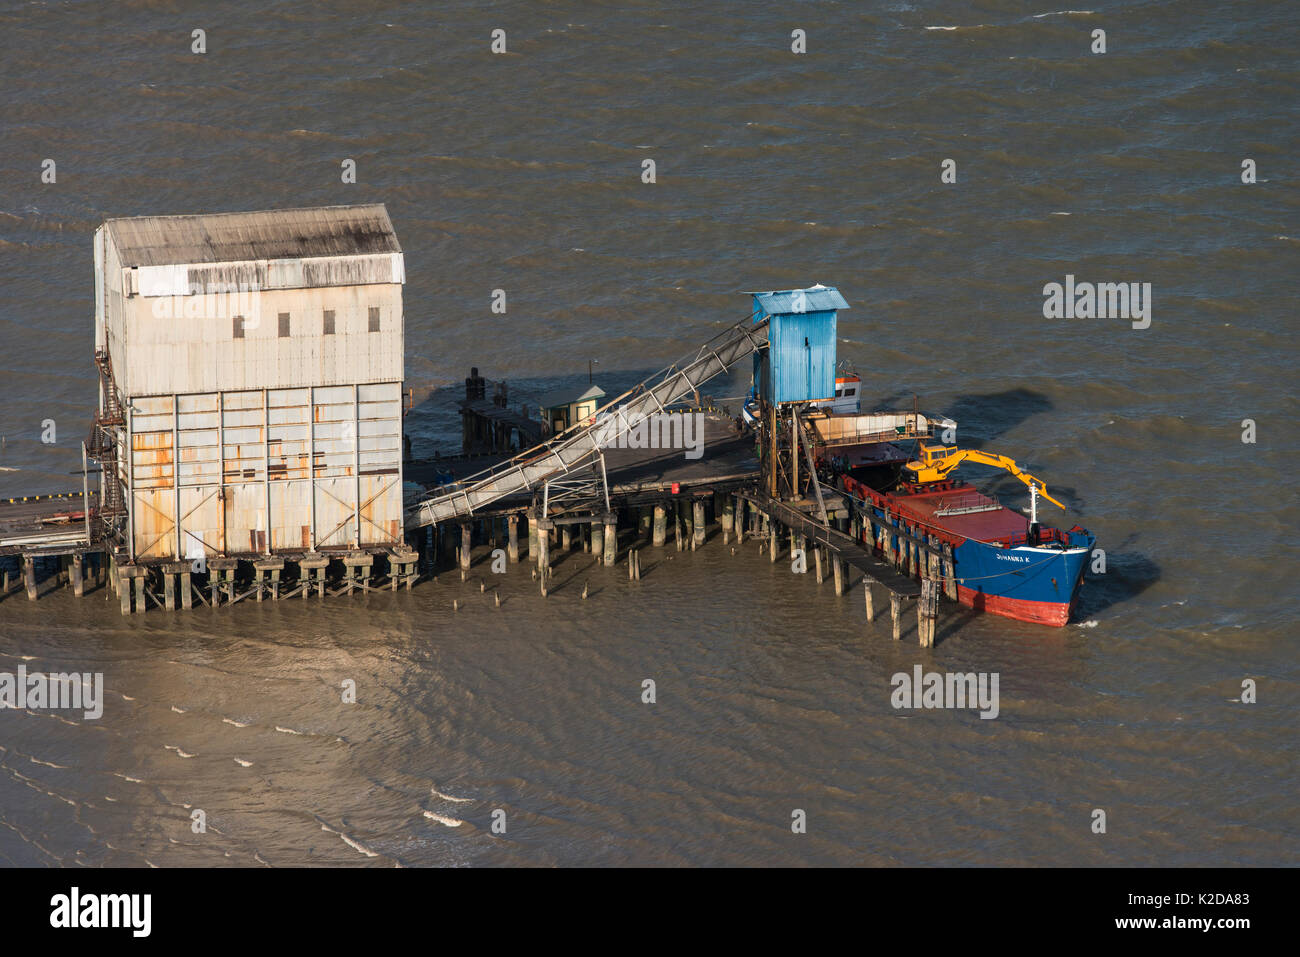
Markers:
(251, 444)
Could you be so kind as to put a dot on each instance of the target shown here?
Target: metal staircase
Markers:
(102, 444)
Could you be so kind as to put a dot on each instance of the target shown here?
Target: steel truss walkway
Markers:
(578, 449)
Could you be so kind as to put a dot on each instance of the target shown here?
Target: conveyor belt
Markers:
(576, 448)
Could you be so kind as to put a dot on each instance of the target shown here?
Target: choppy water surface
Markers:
(523, 172)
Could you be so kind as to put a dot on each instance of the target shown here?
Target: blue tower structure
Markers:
(799, 363)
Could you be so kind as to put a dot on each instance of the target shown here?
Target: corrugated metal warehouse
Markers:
(258, 361)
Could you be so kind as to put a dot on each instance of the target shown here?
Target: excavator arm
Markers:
(938, 461)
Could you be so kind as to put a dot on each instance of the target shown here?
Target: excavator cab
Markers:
(930, 466)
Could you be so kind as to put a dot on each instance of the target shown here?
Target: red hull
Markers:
(1037, 612)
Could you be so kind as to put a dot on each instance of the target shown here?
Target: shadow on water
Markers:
(1128, 574)
(434, 425)
(981, 418)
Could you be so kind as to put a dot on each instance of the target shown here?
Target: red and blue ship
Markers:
(1004, 562)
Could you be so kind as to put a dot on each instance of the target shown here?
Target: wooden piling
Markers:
(660, 526)
(728, 518)
(78, 575)
(532, 535)
(139, 593)
(926, 612)
(837, 569)
(868, 599)
(29, 576)
(512, 546)
(124, 590)
(699, 527)
(817, 559)
(598, 540)
(896, 614)
(464, 552)
(543, 551)
(611, 540)
(771, 540)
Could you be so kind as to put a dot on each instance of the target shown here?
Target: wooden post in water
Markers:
(78, 575)
(139, 593)
(771, 540)
(532, 535)
(512, 542)
(598, 540)
(543, 551)
(187, 587)
(464, 551)
(837, 569)
(124, 590)
(661, 526)
(611, 539)
(728, 517)
(29, 576)
(868, 599)
(817, 557)
(700, 527)
(896, 614)
(926, 612)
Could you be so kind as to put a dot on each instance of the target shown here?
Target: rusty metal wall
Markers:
(265, 470)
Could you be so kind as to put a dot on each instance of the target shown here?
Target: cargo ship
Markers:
(1005, 563)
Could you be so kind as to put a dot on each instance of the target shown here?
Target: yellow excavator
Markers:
(938, 461)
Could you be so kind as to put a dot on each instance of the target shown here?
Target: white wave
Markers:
(179, 751)
(287, 730)
(126, 777)
(447, 797)
(1063, 13)
(355, 845)
(48, 764)
(1091, 623)
(243, 764)
(237, 724)
(178, 710)
(448, 821)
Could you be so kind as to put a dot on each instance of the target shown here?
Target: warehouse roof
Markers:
(266, 234)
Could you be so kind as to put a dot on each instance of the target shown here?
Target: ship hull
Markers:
(1036, 585)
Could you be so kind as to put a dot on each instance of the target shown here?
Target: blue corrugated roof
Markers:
(816, 299)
